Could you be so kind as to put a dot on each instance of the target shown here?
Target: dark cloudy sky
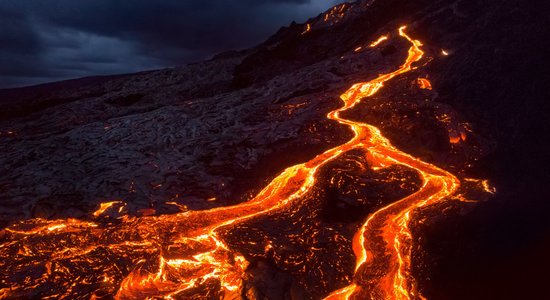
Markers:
(49, 40)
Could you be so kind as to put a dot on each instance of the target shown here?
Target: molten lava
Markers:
(424, 83)
(378, 41)
(176, 255)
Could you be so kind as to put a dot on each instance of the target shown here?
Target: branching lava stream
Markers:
(76, 259)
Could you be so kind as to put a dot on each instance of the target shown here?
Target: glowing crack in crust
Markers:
(378, 41)
(189, 249)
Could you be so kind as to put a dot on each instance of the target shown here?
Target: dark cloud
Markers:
(20, 50)
(59, 39)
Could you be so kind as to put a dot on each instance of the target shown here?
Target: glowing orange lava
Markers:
(187, 247)
(378, 41)
(424, 83)
(103, 207)
(307, 29)
(457, 135)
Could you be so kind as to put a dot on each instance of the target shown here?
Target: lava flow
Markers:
(177, 256)
(390, 222)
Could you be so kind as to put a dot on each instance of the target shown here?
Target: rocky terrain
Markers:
(214, 133)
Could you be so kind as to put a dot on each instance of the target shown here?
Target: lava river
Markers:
(174, 256)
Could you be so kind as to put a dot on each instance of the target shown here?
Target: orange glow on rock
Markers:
(103, 207)
(307, 29)
(457, 136)
(424, 83)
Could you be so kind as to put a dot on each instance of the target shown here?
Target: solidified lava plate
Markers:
(292, 170)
